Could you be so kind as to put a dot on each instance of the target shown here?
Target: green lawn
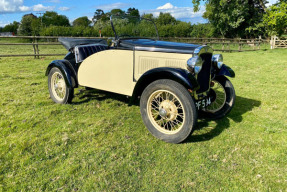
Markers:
(99, 143)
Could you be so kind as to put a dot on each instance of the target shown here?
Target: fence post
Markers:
(274, 41)
(34, 47)
(37, 49)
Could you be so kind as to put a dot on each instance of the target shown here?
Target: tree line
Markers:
(236, 18)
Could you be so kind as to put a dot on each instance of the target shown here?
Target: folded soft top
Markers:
(70, 43)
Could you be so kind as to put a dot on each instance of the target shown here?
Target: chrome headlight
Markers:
(217, 60)
(195, 64)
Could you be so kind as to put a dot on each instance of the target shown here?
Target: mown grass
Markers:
(99, 142)
(28, 49)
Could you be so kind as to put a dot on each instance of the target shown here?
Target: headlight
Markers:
(217, 60)
(195, 64)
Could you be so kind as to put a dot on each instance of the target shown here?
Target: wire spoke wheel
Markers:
(168, 110)
(165, 111)
(58, 86)
(59, 91)
(220, 97)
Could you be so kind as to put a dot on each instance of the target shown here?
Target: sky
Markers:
(13, 10)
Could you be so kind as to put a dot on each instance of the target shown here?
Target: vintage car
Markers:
(175, 82)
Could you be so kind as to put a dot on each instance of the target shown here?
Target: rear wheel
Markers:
(58, 89)
(223, 95)
(168, 110)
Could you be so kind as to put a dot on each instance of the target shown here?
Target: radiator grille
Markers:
(203, 77)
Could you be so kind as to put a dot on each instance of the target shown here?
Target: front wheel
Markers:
(58, 89)
(168, 110)
(223, 95)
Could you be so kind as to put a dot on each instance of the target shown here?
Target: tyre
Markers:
(223, 95)
(168, 110)
(58, 89)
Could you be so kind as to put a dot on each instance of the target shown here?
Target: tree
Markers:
(196, 3)
(52, 18)
(236, 18)
(82, 21)
(116, 12)
(276, 19)
(12, 27)
(134, 15)
(100, 15)
(148, 16)
(202, 30)
(25, 27)
(133, 12)
(165, 19)
(35, 26)
(182, 29)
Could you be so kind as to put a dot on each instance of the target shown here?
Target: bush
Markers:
(78, 31)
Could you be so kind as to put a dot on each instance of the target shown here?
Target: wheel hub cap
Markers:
(168, 110)
(60, 85)
(163, 112)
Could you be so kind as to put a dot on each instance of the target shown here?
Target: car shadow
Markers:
(242, 106)
(93, 94)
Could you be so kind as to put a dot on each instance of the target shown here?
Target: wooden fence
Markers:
(218, 44)
(226, 44)
(35, 42)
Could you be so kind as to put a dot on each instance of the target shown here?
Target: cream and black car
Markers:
(175, 82)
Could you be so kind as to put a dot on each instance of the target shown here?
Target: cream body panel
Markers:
(148, 60)
(110, 70)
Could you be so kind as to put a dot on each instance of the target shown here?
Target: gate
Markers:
(278, 43)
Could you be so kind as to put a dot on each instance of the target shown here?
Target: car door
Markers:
(110, 70)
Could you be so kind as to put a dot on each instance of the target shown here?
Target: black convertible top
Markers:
(70, 43)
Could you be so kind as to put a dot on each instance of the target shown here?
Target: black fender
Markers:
(226, 71)
(67, 69)
(181, 76)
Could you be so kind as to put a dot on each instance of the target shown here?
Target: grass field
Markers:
(99, 143)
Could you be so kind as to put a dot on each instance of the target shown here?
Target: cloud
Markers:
(41, 7)
(64, 8)
(24, 8)
(271, 2)
(7, 6)
(108, 7)
(182, 13)
(14, 6)
(166, 6)
(3, 23)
